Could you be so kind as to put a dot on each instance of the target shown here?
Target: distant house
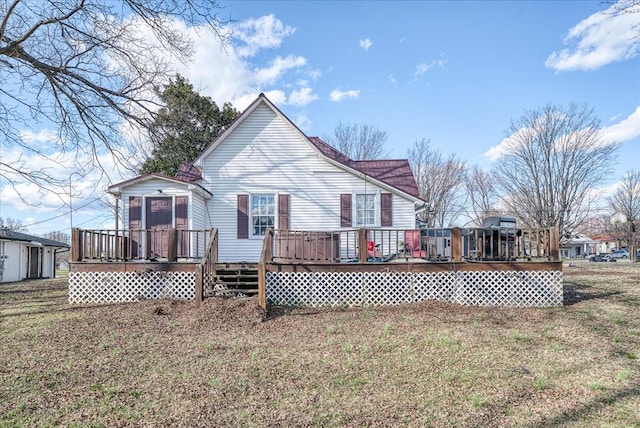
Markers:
(264, 172)
(607, 244)
(577, 246)
(25, 256)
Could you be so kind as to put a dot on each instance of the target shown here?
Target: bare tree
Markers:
(84, 68)
(58, 235)
(626, 202)
(483, 195)
(553, 159)
(359, 141)
(597, 224)
(440, 181)
(12, 224)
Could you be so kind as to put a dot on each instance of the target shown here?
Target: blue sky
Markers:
(454, 72)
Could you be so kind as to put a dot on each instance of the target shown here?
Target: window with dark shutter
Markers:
(345, 210)
(243, 216)
(386, 214)
(181, 212)
(283, 212)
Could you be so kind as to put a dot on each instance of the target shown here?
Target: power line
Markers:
(61, 215)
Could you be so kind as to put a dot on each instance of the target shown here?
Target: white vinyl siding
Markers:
(266, 155)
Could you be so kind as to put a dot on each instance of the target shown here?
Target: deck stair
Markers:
(238, 279)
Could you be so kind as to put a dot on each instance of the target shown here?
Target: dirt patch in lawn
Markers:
(228, 363)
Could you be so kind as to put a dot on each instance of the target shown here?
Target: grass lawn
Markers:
(164, 363)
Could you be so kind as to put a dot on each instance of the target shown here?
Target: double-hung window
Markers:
(365, 210)
(263, 212)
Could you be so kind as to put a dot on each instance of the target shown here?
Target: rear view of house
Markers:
(264, 172)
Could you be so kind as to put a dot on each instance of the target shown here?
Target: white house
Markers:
(577, 246)
(262, 172)
(25, 256)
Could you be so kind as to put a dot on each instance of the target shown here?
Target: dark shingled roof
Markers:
(394, 172)
(17, 236)
(188, 173)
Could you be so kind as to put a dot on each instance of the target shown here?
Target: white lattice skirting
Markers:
(118, 287)
(486, 288)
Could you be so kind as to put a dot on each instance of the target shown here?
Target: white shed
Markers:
(25, 256)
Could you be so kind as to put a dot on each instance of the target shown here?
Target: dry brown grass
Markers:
(163, 363)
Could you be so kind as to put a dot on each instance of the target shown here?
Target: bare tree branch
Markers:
(359, 141)
(483, 195)
(439, 181)
(85, 68)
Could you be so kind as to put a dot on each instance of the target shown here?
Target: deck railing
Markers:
(207, 267)
(139, 244)
(431, 244)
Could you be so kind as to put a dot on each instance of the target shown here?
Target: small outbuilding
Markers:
(24, 256)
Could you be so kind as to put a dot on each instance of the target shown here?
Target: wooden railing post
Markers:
(76, 245)
(266, 256)
(172, 245)
(456, 244)
(554, 243)
(363, 253)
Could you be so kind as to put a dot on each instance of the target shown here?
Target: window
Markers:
(263, 211)
(366, 210)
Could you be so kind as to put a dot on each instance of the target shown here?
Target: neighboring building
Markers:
(25, 256)
(577, 246)
(263, 172)
(606, 244)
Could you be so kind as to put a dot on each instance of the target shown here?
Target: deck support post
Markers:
(362, 245)
(172, 244)
(456, 244)
(199, 284)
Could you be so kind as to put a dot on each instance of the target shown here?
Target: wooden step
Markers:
(234, 278)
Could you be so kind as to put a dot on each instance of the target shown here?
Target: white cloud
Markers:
(303, 122)
(337, 95)
(391, 79)
(314, 75)
(278, 67)
(276, 96)
(266, 32)
(615, 117)
(423, 67)
(625, 130)
(226, 73)
(602, 38)
(365, 44)
(42, 136)
(302, 97)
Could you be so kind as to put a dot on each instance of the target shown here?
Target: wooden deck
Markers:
(298, 266)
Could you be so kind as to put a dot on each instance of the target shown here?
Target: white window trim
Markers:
(275, 212)
(376, 209)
